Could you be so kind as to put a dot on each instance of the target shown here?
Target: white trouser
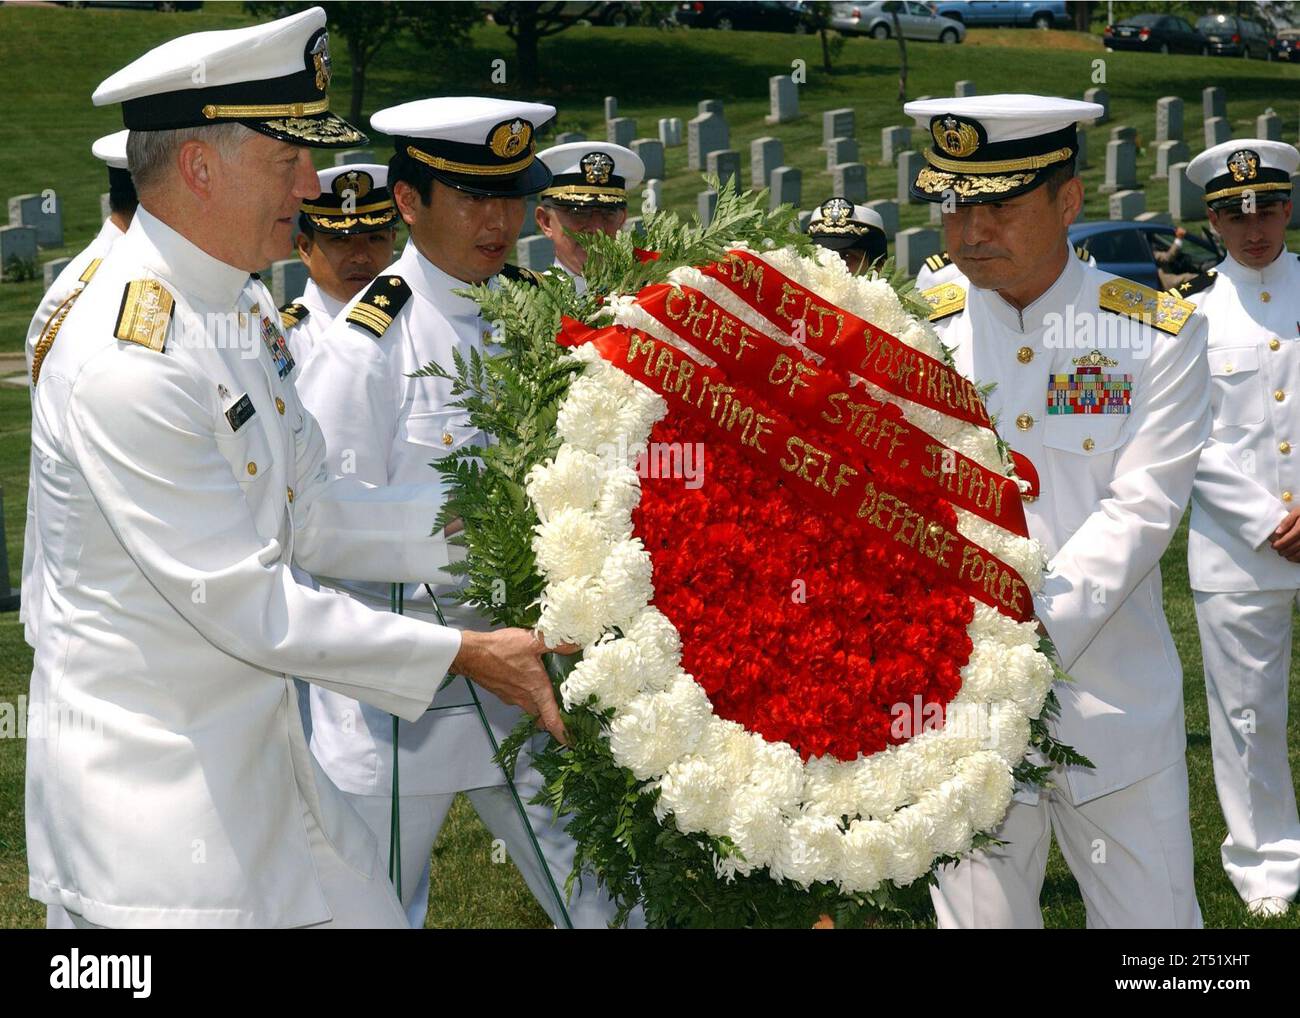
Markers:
(1130, 851)
(1246, 647)
(422, 817)
(355, 901)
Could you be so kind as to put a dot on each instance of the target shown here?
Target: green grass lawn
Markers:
(50, 125)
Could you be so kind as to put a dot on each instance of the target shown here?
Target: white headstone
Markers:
(894, 140)
(888, 212)
(1169, 119)
(652, 197)
(706, 133)
(1214, 102)
(1102, 97)
(17, 243)
(288, 279)
(51, 269)
(1268, 125)
(725, 163)
(105, 205)
(783, 94)
(569, 137)
(536, 252)
(787, 186)
(670, 131)
(44, 212)
(765, 155)
(1168, 153)
(1186, 200)
(849, 180)
(651, 151)
(1127, 204)
(913, 246)
(841, 150)
(710, 106)
(1217, 131)
(706, 203)
(964, 88)
(611, 107)
(1122, 132)
(837, 124)
(1121, 167)
(1081, 157)
(620, 131)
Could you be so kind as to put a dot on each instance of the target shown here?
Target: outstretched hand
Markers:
(508, 663)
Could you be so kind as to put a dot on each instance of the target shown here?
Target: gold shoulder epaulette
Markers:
(936, 262)
(945, 300)
(1197, 284)
(1160, 310)
(94, 265)
(293, 314)
(377, 308)
(145, 313)
(1081, 252)
(518, 274)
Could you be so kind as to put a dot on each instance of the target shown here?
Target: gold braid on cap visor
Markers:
(472, 169)
(1228, 192)
(213, 112)
(1037, 162)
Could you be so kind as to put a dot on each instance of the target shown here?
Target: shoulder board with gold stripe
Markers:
(1081, 252)
(91, 269)
(145, 313)
(936, 262)
(377, 308)
(520, 275)
(1155, 308)
(1197, 284)
(293, 314)
(945, 300)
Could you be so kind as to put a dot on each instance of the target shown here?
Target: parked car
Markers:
(1285, 45)
(1128, 248)
(1227, 35)
(1036, 13)
(743, 15)
(1155, 33)
(876, 19)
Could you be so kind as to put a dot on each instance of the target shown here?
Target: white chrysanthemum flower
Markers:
(610, 669)
(879, 784)
(910, 831)
(777, 772)
(619, 494)
(988, 785)
(867, 847)
(729, 748)
(572, 480)
(830, 787)
(759, 830)
(1008, 731)
(655, 729)
(571, 543)
(695, 794)
(591, 418)
(573, 611)
(660, 645)
(625, 580)
(945, 809)
(814, 849)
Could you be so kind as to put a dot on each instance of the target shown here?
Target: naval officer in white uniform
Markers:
(345, 237)
(587, 194)
(459, 176)
(855, 232)
(1101, 384)
(1244, 546)
(170, 784)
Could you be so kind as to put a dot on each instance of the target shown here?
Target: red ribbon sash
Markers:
(849, 342)
(820, 398)
(841, 485)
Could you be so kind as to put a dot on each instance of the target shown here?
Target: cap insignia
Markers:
(319, 51)
(509, 139)
(956, 136)
(596, 167)
(1244, 165)
(354, 184)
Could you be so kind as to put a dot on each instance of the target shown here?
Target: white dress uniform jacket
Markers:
(384, 427)
(321, 310)
(1249, 473)
(75, 275)
(177, 788)
(1113, 489)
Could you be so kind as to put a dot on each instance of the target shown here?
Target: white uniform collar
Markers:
(318, 302)
(435, 285)
(579, 282)
(1052, 301)
(109, 232)
(189, 268)
(1274, 272)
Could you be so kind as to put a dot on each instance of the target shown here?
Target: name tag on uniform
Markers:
(239, 414)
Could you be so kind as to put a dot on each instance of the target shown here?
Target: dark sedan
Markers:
(745, 16)
(1286, 45)
(1227, 35)
(1129, 249)
(1154, 33)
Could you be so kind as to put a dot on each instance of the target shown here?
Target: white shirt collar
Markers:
(188, 268)
(435, 285)
(1271, 274)
(579, 282)
(1052, 301)
(319, 302)
(109, 232)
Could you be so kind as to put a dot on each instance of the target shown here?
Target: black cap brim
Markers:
(323, 130)
(933, 185)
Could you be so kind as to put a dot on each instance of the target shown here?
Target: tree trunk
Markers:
(826, 50)
(357, 54)
(902, 59)
(1082, 12)
(526, 45)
